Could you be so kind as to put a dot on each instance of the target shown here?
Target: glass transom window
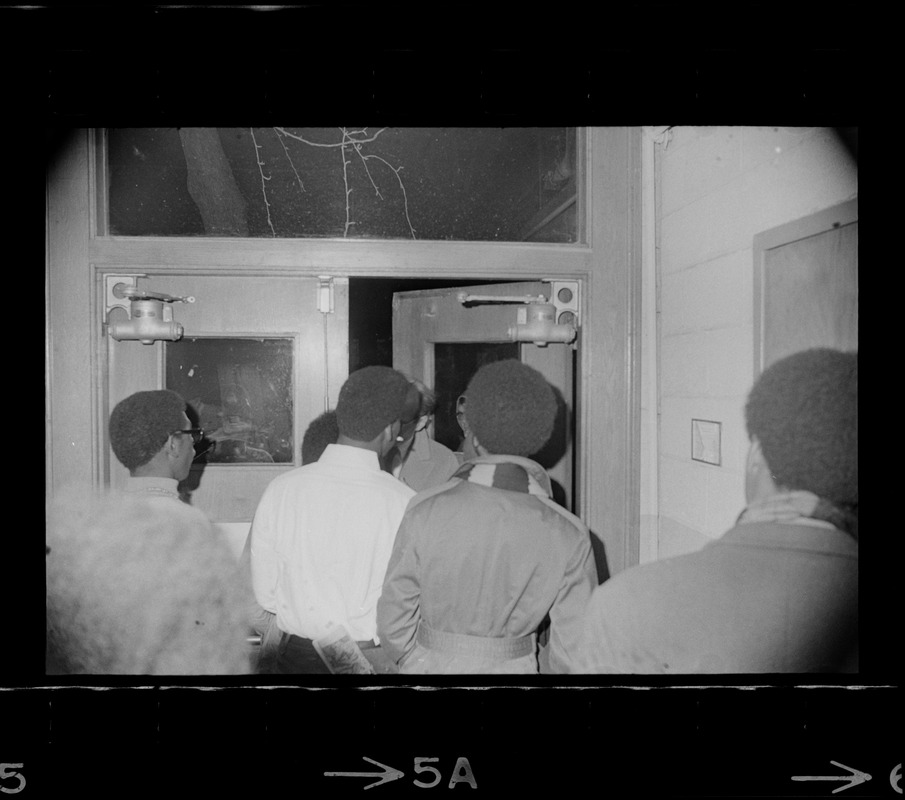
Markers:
(465, 184)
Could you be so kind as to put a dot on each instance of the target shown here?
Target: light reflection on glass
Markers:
(240, 392)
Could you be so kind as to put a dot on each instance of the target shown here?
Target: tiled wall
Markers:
(716, 188)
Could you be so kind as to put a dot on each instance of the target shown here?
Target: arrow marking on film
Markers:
(388, 774)
(854, 779)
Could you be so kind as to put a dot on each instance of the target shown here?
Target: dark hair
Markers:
(321, 431)
(803, 410)
(140, 425)
(511, 408)
(372, 398)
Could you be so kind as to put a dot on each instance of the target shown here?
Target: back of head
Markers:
(141, 423)
(321, 431)
(428, 399)
(803, 409)
(372, 398)
(511, 408)
(418, 410)
(136, 587)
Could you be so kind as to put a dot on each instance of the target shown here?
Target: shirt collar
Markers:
(166, 487)
(344, 455)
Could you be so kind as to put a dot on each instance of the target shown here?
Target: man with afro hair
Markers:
(152, 437)
(322, 533)
(138, 582)
(321, 431)
(483, 560)
(778, 592)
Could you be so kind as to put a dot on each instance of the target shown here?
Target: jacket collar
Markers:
(804, 535)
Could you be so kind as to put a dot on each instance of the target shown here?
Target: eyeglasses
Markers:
(197, 434)
(460, 414)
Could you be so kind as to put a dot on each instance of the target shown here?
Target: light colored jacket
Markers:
(479, 560)
(427, 464)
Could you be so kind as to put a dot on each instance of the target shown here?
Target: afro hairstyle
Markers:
(141, 587)
(511, 408)
(320, 432)
(803, 409)
(372, 398)
(141, 423)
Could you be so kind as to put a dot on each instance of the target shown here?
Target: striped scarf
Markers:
(511, 473)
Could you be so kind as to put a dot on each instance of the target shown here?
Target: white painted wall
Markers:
(235, 534)
(715, 189)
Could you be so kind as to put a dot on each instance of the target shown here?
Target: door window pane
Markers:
(240, 392)
(469, 184)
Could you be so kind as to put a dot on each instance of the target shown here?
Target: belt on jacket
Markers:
(366, 644)
(490, 646)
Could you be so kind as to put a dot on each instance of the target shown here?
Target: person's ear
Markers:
(171, 446)
(756, 461)
(386, 439)
(759, 480)
(393, 431)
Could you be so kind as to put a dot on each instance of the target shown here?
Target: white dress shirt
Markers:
(321, 539)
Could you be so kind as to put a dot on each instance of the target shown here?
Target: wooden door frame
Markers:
(835, 217)
(607, 261)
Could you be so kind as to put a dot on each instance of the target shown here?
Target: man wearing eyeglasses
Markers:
(152, 437)
(138, 582)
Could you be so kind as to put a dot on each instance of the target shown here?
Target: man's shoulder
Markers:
(441, 453)
(391, 485)
(676, 575)
(317, 477)
(292, 477)
(569, 520)
(439, 493)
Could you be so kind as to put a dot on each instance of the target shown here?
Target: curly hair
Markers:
(138, 586)
(140, 424)
(372, 398)
(511, 408)
(803, 410)
(320, 432)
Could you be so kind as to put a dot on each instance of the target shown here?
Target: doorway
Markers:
(371, 315)
(442, 343)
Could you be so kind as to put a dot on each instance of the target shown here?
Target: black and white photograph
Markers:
(417, 417)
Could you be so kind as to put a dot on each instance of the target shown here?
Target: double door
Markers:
(261, 356)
